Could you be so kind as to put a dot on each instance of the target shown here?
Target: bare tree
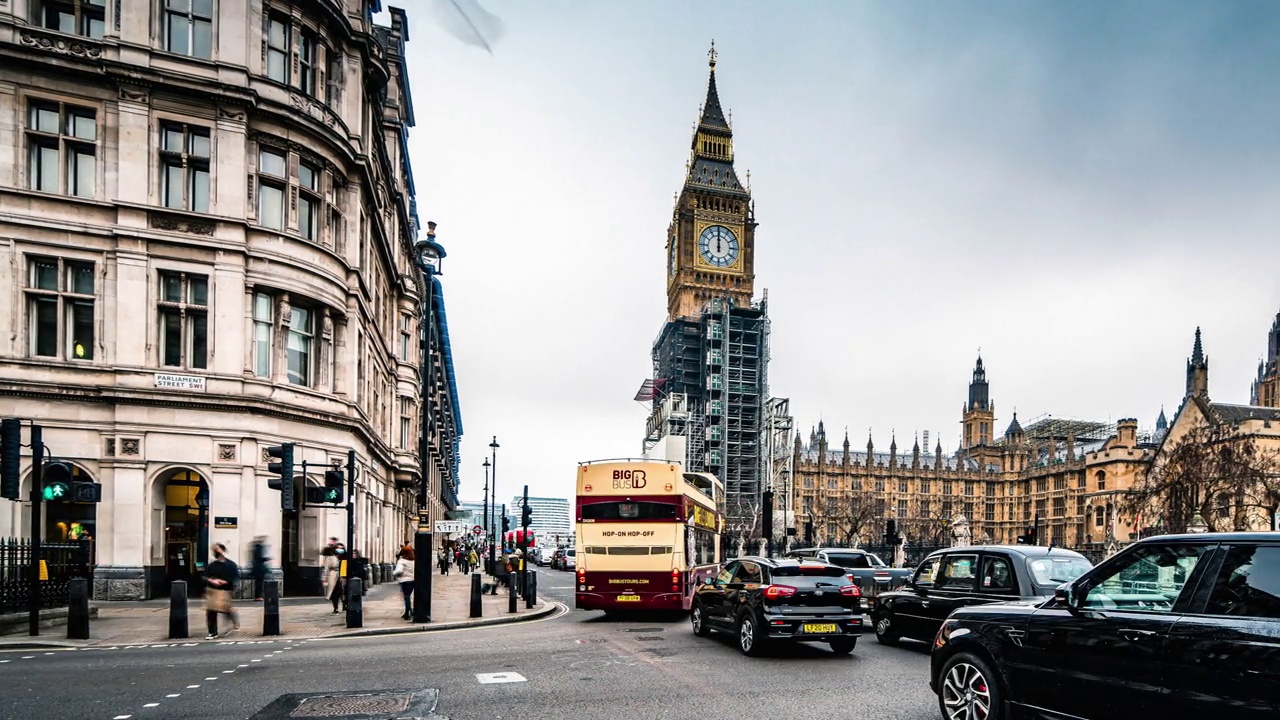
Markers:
(852, 517)
(1215, 471)
(932, 528)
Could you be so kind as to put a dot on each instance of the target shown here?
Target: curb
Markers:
(544, 609)
(38, 645)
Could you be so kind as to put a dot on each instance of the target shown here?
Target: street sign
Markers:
(477, 530)
(451, 526)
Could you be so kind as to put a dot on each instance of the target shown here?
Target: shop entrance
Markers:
(186, 530)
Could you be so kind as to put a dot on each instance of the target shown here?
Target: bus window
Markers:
(628, 511)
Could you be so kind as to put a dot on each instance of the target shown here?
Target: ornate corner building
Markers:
(206, 233)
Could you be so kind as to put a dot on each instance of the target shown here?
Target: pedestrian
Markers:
(360, 569)
(333, 577)
(259, 566)
(444, 562)
(473, 560)
(221, 576)
(404, 573)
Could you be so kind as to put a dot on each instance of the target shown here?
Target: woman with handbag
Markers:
(221, 577)
(404, 573)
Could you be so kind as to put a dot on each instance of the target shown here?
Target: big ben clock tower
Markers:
(711, 240)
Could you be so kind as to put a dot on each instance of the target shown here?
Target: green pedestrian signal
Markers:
(55, 491)
(333, 495)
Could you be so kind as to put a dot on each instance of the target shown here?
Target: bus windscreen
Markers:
(628, 511)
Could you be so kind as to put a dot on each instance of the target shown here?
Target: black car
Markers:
(764, 600)
(1178, 626)
(960, 577)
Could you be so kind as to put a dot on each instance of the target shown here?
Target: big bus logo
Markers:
(628, 479)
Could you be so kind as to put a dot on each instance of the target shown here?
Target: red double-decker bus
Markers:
(647, 532)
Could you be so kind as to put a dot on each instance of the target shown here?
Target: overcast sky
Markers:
(1072, 187)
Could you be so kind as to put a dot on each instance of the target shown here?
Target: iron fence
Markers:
(62, 561)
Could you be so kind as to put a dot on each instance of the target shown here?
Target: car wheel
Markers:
(884, 632)
(699, 621)
(969, 690)
(843, 646)
(749, 640)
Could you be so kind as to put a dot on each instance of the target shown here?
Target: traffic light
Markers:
(891, 532)
(56, 481)
(86, 492)
(333, 482)
(506, 524)
(526, 516)
(10, 458)
(808, 532)
(284, 474)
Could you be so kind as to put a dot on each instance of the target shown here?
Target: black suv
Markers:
(960, 577)
(763, 600)
(1172, 627)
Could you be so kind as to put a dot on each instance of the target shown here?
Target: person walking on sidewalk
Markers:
(333, 577)
(473, 560)
(259, 566)
(221, 577)
(444, 561)
(404, 573)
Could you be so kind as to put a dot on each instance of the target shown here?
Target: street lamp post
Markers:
(493, 545)
(487, 562)
(428, 255)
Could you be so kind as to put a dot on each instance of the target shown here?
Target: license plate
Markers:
(819, 628)
(628, 598)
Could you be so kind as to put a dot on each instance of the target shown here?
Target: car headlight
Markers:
(950, 629)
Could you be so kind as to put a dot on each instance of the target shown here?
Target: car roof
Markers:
(1026, 550)
(1215, 537)
(781, 562)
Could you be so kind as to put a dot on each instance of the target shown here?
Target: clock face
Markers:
(674, 256)
(719, 246)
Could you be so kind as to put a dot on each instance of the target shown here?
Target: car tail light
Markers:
(851, 591)
(773, 592)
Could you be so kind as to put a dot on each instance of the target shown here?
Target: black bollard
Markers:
(78, 610)
(271, 607)
(531, 589)
(355, 602)
(476, 610)
(178, 610)
(511, 596)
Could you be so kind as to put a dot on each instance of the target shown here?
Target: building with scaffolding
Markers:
(709, 393)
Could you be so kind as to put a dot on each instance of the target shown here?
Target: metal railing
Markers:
(62, 561)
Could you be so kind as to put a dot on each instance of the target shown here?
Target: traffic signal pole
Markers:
(37, 490)
(351, 511)
(524, 543)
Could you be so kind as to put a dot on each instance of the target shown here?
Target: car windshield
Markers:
(852, 561)
(1055, 571)
(571, 553)
(816, 571)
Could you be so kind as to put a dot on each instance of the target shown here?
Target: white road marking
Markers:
(495, 678)
(27, 657)
(227, 672)
(48, 653)
(174, 695)
(242, 666)
(192, 687)
(4, 661)
(151, 705)
(253, 660)
(212, 678)
(122, 717)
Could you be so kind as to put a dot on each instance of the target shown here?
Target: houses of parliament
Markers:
(1062, 479)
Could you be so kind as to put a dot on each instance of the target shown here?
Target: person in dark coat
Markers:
(221, 576)
(259, 567)
(360, 569)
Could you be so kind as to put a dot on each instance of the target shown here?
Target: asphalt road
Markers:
(575, 666)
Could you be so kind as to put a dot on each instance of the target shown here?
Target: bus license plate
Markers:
(628, 598)
(819, 628)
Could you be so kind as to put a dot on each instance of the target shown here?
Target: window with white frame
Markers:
(406, 421)
(273, 179)
(74, 17)
(300, 367)
(279, 43)
(333, 86)
(184, 167)
(184, 320)
(309, 201)
(406, 335)
(309, 62)
(262, 317)
(60, 308)
(188, 27)
(62, 148)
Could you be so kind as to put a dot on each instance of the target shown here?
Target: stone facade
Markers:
(206, 233)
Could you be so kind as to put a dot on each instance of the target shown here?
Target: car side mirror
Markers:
(1069, 596)
(708, 580)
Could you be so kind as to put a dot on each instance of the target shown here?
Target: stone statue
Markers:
(960, 533)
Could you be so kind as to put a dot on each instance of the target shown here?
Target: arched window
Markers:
(1098, 518)
(1101, 477)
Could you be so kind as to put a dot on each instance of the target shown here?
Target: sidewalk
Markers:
(135, 623)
